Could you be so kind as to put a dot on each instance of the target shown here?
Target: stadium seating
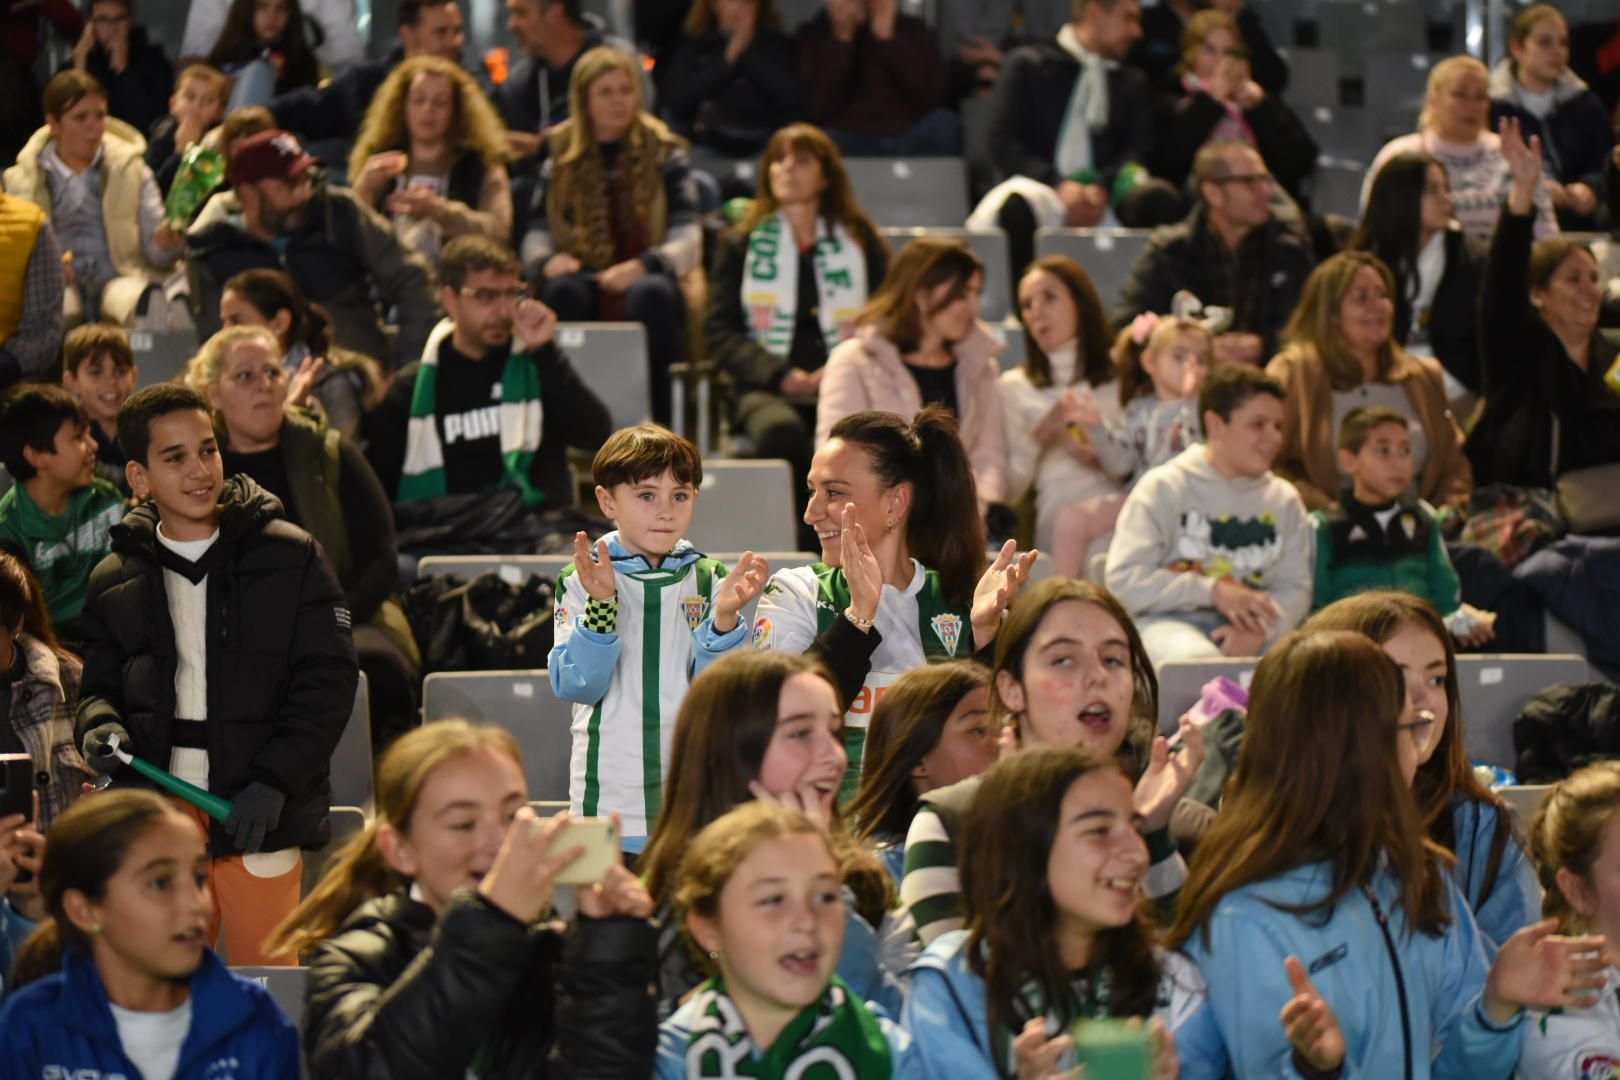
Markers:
(1106, 254)
(523, 704)
(351, 761)
(286, 986)
(911, 192)
(991, 247)
(611, 358)
(161, 355)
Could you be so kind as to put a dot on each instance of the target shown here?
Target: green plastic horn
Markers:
(215, 807)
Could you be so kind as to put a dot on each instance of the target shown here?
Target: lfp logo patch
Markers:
(1599, 1067)
(560, 619)
(693, 607)
(762, 632)
(948, 628)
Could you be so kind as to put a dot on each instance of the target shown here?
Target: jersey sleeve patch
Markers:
(762, 632)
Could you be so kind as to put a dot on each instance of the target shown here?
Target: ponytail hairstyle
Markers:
(84, 850)
(944, 530)
(716, 852)
(1567, 834)
(1149, 332)
(1319, 781)
(725, 725)
(357, 871)
(906, 727)
(1448, 775)
(272, 291)
(22, 600)
(1007, 901)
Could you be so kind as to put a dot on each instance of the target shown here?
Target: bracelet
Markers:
(602, 616)
(861, 624)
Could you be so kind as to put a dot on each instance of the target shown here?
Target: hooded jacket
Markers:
(62, 1026)
(1513, 900)
(1409, 1004)
(398, 994)
(1576, 136)
(281, 667)
(947, 1012)
(866, 372)
(124, 174)
(340, 254)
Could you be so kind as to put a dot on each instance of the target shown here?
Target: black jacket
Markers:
(1174, 261)
(1529, 380)
(1159, 50)
(573, 416)
(281, 662)
(397, 994)
(731, 345)
(1453, 314)
(732, 107)
(1185, 123)
(139, 94)
(342, 255)
(1029, 104)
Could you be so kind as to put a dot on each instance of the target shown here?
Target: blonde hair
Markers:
(1200, 27)
(476, 126)
(1440, 76)
(1567, 834)
(720, 848)
(215, 79)
(1134, 380)
(203, 371)
(358, 872)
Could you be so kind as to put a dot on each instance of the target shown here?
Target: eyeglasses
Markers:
(1259, 179)
(495, 296)
(108, 20)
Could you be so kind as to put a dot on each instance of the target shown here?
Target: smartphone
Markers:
(601, 843)
(17, 785)
(1114, 1049)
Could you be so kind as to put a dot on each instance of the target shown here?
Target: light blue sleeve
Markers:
(709, 645)
(581, 662)
(1471, 1047)
(671, 1062)
(943, 1038)
(1248, 987)
(1515, 898)
(1185, 1011)
(858, 964)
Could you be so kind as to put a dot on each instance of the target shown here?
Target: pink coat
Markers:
(866, 372)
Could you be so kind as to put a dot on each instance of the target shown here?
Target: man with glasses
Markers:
(1231, 252)
(493, 403)
(342, 253)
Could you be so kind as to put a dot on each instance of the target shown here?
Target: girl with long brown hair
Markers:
(767, 726)
(1053, 864)
(432, 156)
(1458, 813)
(1576, 848)
(614, 225)
(426, 954)
(1322, 917)
(902, 580)
(789, 280)
(1070, 670)
(269, 31)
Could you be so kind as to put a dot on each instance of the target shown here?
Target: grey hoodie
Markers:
(1184, 526)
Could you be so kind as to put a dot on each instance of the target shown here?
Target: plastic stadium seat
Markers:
(1495, 689)
(611, 358)
(161, 355)
(746, 504)
(1106, 254)
(286, 986)
(346, 821)
(909, 192)
(1013, 334)
(1181, 680)
(351, 761)
(1337, 188)
(989, 245)
(523, 704)
(1396, 83)
(1313, 78)
(1524, 800)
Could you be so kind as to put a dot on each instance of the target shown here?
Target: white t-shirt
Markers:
(188, 611)
(152, 1040)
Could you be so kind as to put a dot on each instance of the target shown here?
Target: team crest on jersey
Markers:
(1599, 1067)
(693, 607)
(762, 632)
(948, 628)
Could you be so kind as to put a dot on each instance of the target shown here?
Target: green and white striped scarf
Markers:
(423, 473)
(770, 285)
(833, 1039)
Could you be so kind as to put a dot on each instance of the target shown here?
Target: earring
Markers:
(714, 954)
(95, 928)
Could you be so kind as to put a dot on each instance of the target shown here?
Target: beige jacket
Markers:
(124, 172)
(866, 372)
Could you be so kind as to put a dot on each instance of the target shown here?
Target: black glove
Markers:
(254, 812)
(97, 753)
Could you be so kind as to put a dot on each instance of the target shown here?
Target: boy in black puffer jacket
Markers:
(217, 646)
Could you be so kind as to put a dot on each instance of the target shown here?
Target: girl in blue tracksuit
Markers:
(118, 979)
(1330, 938)
(931, 729)
(1053, 864)
(1459, 813)
(759, 896)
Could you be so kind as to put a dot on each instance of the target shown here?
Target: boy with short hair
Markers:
(196, 107)
(98, 368)
(56, 517)
(647, 601)
(1212, 552)
(1381, 535)
(217, 646)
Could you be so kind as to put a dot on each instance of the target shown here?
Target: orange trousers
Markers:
(246, 906)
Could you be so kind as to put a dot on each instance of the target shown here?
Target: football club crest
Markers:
(948, 628)
(693, 607)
